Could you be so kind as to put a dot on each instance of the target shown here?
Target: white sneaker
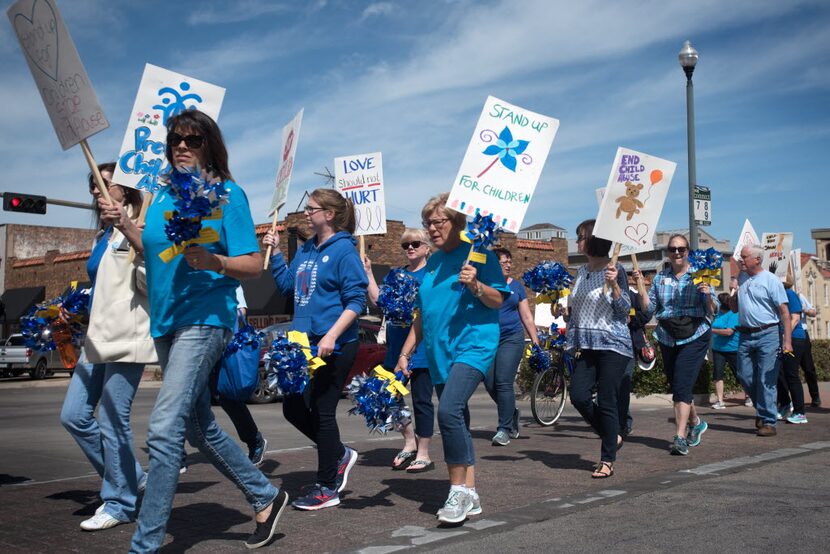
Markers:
(718, 406)
(100, 522)
(100, 509)
(748, 402)
(456, 508)
(476, 509)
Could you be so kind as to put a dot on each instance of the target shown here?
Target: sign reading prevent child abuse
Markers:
(503, 163)
(161, 95)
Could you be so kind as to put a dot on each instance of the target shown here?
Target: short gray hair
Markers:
(755, 251)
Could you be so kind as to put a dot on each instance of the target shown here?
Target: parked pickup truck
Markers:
(16, 359)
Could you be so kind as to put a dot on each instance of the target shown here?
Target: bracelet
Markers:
(405, 355)
(222, 262)
(479, 291)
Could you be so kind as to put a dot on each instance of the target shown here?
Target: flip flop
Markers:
(598, 473)
(406, 457)
(420, 466)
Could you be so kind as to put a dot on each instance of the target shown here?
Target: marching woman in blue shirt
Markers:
(329, 286)
(683, 312)
(459, 323)
(192, 312)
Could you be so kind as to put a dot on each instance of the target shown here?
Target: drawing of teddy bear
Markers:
(629, 202)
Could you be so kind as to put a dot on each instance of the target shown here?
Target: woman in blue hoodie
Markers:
(329, 286)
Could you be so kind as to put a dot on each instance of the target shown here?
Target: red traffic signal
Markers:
(24, 203)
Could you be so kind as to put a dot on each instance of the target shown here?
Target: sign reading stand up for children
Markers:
(503, 163)
(360, 179)
(59, 74)
(162, 94)
(633, 198)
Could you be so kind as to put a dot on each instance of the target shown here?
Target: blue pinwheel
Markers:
(506, 149)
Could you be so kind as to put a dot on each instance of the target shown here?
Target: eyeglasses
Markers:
(677, 249)
(191, 141)
(414, 244)
(311, 210)
(434, 222)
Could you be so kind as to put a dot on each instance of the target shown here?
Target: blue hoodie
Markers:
(326, 280)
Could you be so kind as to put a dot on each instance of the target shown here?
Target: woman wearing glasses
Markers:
(459, 326)
(684, 312)
(515, 320)
(414, 457)
(192, 312)
(329, 286)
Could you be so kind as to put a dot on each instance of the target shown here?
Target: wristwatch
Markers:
(222, 269)
(479, 291)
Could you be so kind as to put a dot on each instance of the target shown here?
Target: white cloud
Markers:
(235, 12)
(377, 9)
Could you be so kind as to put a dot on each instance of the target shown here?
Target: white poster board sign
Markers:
(503, 163)
(748, 237)
(795, 264)
(290, 136)
(625, 249)
(59, 74)
(542, 316)
(360, 179)
(634, 198)
(161, 95)
(777, 248)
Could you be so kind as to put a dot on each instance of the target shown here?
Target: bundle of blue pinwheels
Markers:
(550, 280)
(538, 358)
(38, 324)
(197, 195)
(481, 232)
(287, 366)
(246, 338)
(378, 399)
(397, 297)
(555, 340)
(706, 266)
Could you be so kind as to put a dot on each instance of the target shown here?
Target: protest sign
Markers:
(360, 179)
(290, 135)
(161, 95)
(748, 237)
(57, 70)
(795, 264)
(633, 199)
(777, 248)
(625, 249)
(503, 163)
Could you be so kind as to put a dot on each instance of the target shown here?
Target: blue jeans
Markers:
(108, 440)
(187, 356)
(454, 414)
(500, 377)
(757, 369)
(682, 364)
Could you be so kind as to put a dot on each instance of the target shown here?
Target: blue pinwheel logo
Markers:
(505, 150)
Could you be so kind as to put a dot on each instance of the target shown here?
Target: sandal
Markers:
(600, 473)
(420, 466)
(404, 459)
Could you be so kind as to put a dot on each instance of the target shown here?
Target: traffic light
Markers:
(25, 203)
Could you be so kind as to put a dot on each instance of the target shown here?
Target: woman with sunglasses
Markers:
(116, 347)
(459, 325)
(515, 320)
(684, 312)
(192, 314)
(598, 337)
(414, 457)
(329, 286)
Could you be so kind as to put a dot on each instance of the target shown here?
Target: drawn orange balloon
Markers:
(656, 176)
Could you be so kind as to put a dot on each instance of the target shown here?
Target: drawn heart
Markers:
(637, 234)
(38, 35)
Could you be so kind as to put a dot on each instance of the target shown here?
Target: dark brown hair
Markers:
(330, 199)
(594, 246)
(132, 197)
(216, 155)
(499, 252)
(678, 236)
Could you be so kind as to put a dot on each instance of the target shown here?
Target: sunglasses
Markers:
(414, 244)
(677, 249)
(192, 141)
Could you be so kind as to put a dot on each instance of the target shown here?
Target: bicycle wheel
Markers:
(548, 396)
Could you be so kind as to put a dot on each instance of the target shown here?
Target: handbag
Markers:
(681, 327)
(239, 369)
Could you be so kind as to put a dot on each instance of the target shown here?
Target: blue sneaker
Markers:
(316, 498)
(257, 453)
(344, 467)
(679, 446)
(797, 419)
(695, 431)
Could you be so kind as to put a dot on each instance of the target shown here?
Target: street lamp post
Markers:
(688, 59)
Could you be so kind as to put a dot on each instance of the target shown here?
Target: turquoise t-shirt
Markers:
(726, 320)
(457, 327)
(180, 295)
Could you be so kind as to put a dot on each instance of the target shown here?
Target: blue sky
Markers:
(410, 78)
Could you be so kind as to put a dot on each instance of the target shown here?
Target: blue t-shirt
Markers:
(457, 327)
(509, 320)
(181, 296)
(396, 336)
(96, 255)
(759, 297)
(726, 320)
(794, 304)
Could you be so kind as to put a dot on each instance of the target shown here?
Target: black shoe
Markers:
(265, 530)
(257, 453)
(815, 403)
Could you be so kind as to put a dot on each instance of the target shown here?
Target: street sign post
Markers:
(703, 205)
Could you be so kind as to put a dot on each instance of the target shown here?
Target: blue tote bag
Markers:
(239, 372)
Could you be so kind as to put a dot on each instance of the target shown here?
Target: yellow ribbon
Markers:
(475, 257)
(207, 235)
(395, 386)
(553, 296)
(301, 338)
(215, 214)
(708, 276)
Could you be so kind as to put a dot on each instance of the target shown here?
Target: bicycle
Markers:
(550, 389)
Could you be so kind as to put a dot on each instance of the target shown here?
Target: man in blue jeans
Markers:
(762, 307)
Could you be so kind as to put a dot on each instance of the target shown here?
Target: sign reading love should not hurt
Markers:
(57, 70)
(633, 198)
(360, 179)
(503, 163)
(161, 95)
(290, 136)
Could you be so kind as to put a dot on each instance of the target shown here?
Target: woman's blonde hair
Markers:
(439, 203)
(414, 233)
(343, 209)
